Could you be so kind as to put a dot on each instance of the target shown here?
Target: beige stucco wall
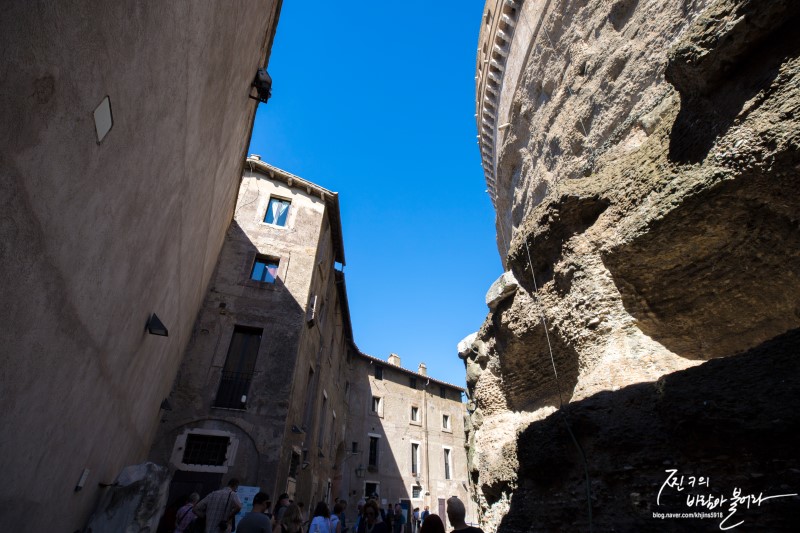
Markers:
(95, 237)
(397, 432)
(279, 396)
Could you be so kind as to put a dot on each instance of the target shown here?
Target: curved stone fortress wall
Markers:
(643, 160)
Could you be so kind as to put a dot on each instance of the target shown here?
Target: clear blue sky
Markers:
(376, 102)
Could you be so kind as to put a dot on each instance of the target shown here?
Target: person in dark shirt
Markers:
(456, 512)
(256, 521)
(372, 522)
(432, 524)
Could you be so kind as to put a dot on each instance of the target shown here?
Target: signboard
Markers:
(246, 494)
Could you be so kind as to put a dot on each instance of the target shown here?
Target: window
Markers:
(445, 421)
(322, 425)
(277, 211)
(414, 458)
(412, 382)
(205, 449)
(377, 405)
(378, 372)
(309, 410)
(354, 448)
(293, 464)
(239, 367)
(442, 392)
(373, 451)
(447, 465)
(416, 492)
(414, 413)
(371, 489)
(265, 269)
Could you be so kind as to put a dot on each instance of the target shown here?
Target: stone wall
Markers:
(400, 390)
(95, 235)
(645, 195)
(299, 316)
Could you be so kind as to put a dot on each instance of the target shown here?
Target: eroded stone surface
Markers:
(652, 227)
(501, 289)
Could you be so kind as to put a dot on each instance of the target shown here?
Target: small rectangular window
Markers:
(416, 492)
(293, 464)
(412, 382)
(376, 405)
(373, 451)
(414, 458)
(265, 269)
(239, 368)
(378, 372)
(447, 463)
(354, 448)
(277, 211)
(415, 414)
(205, 449)
(442, 392)
(445, 421)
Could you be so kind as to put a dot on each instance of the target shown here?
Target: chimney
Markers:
(423, 370)
(394, 359)
(255, 156)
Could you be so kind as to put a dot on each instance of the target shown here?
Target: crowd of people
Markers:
(216, 514)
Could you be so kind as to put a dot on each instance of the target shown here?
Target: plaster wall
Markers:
(397, 431)
(280, 396)
(97, 236)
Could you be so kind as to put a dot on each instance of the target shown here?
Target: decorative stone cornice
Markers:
(497, 31)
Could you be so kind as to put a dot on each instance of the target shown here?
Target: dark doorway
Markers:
(406, 506)
(370, 489)
(182, 485)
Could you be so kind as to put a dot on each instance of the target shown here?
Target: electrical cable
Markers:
(564, 416)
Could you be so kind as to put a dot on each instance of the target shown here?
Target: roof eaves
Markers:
(330, 198)
(410, 372)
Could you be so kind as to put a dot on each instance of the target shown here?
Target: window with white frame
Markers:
(374, 450)
(446, 422)
(416, 492)
(414, 413)
(205, 449)
(277, 211)
(448, 463)
(377, 405)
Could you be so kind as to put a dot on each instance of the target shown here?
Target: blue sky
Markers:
(376, 101)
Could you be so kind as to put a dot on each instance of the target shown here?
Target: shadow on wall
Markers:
(524, 355)
(718, 269)
(719, 273)
(734, 421)
(718, 67)
(379, 435)
(234, 385)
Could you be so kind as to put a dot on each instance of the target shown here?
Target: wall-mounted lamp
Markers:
(263, 85)
(360, 471)
(156, 327)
